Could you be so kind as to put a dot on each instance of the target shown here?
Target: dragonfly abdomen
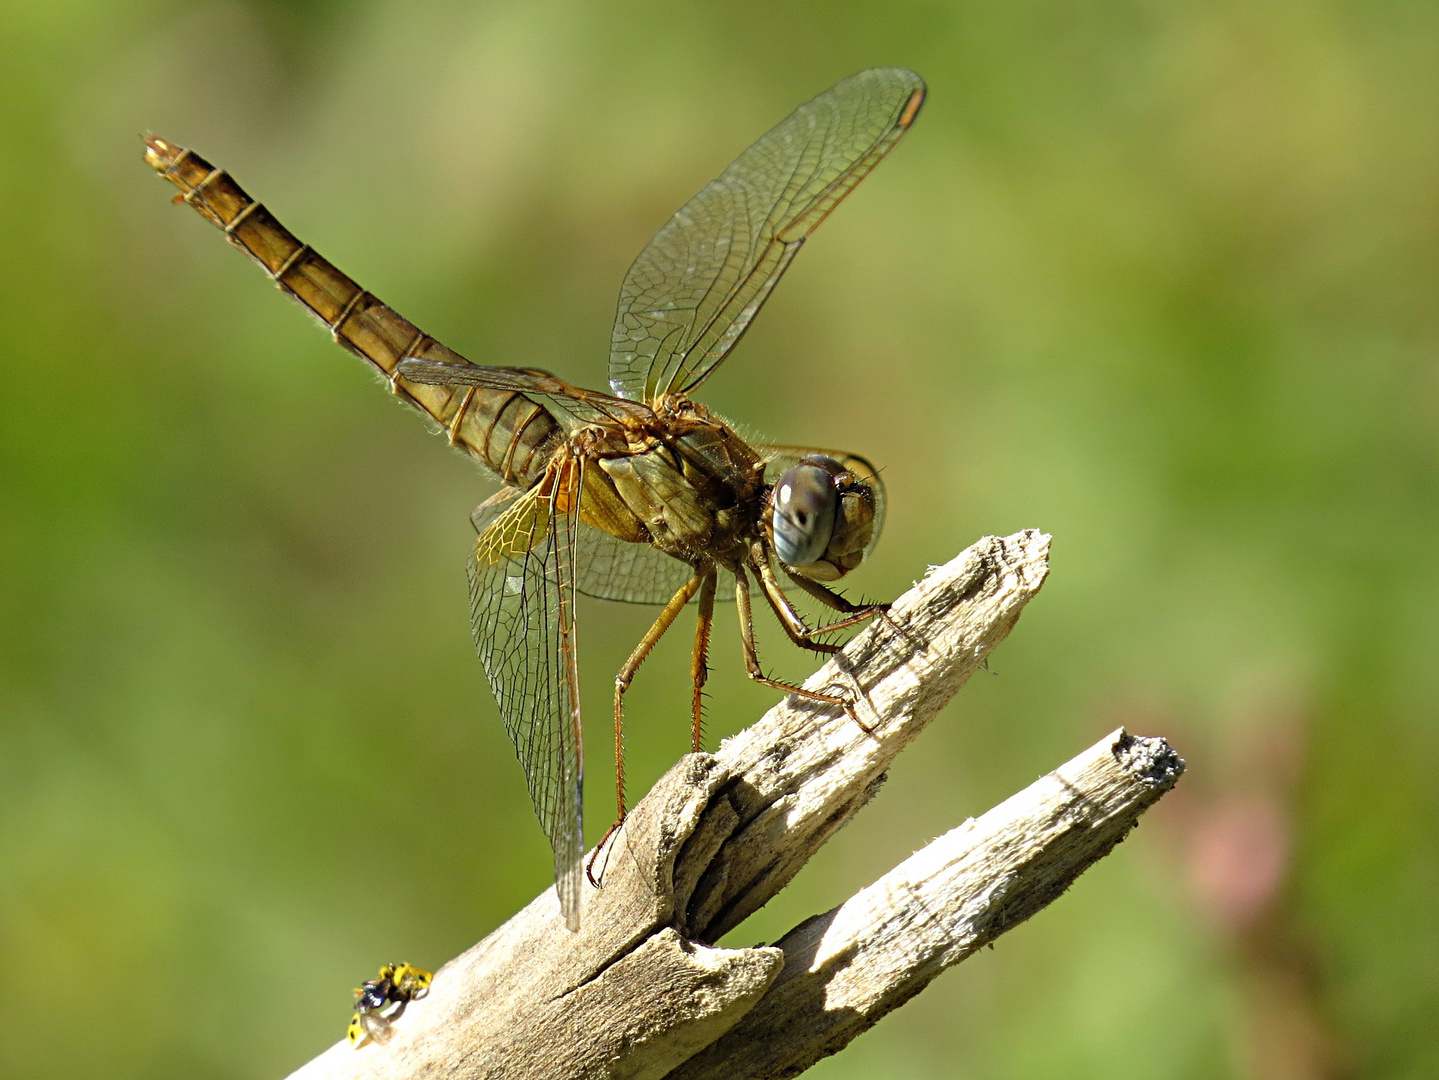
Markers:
(502, 428)
(508, 431)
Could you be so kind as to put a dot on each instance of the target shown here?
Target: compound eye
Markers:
(805, 500)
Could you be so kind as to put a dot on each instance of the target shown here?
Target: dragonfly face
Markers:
(822, 518)
(638, 494)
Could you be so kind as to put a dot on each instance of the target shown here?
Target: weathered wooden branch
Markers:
(640, 991)
(846, 969)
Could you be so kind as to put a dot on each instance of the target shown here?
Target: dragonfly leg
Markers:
(751, 655)
(622, 683)
(699, 669)
(594, 878)
(794, 624)
(831, 599)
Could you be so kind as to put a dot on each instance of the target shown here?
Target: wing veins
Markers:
(522, 616)
(700, 282)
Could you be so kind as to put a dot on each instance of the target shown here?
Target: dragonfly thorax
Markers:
(698, 494)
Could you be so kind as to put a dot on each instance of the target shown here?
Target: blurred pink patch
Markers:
(1238, 860)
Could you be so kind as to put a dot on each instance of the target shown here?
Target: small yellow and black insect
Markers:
(380, 1002)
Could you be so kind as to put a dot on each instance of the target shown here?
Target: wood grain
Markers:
(640, 990)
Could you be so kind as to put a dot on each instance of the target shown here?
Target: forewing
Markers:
(574, 405)
(694, 290)
(779, 458)
(522, 613)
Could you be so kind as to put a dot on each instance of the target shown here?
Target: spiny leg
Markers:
(831, 599)
(794, 624)
(827, 596)
(751, 654)
(699, 669)
(622, 682)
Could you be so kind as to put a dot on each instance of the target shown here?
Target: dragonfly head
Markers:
(822, 518)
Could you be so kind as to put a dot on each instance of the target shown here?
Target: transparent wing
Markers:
(613, 569)
(694, 290)
(522, 614)
(572, 403)
(779, 458)
(606, 567)
(377, 1027)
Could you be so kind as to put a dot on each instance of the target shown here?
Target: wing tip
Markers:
(568, 886)
(911, 107)
(900, 78)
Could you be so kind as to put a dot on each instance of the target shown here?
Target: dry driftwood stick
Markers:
(640, 991)
(846, 969)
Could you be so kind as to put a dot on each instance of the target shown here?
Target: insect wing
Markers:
(777, 459)
(637, 573)
(482, 516)
(372, 1025)
(695, 288)
(522, 614)
(574, 404)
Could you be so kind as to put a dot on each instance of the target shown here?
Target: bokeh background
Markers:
(1161, 279)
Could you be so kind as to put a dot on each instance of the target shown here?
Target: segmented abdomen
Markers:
(504, 429)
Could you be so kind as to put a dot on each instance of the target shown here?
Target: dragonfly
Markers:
(641, 494)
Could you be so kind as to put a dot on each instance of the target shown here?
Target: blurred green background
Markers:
(1161, 279)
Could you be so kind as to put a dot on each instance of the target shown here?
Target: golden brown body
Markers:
(674, 478)
(640, 494)
(502, 428)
